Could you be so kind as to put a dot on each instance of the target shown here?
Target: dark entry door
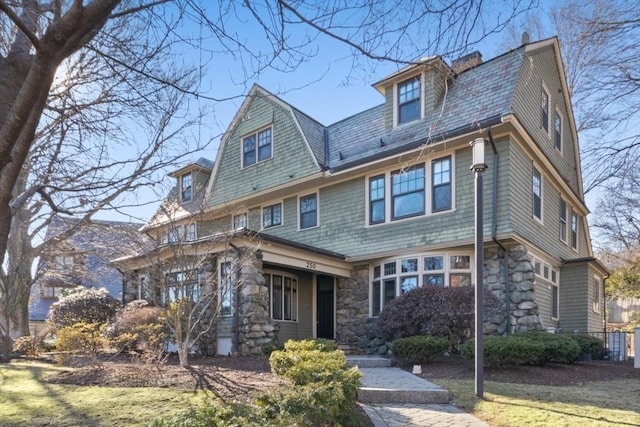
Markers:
(324, 308)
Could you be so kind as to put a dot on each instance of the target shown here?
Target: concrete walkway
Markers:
(392, 397)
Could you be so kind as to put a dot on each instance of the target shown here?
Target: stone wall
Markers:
(256, 328)
(352, 307)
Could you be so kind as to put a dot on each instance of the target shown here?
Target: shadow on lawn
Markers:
(37, 373)
(219, 385)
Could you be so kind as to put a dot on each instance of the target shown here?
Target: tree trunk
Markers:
(183, 353)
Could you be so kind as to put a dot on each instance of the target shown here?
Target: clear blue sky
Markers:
(331, 86)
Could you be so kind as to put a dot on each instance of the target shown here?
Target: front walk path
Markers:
(392, 397)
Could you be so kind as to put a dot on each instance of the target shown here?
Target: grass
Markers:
(596, 404)
(26, 400)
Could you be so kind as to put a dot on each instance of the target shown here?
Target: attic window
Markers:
(409, 100)
(185, 187)
(545, 109)
(256, 147)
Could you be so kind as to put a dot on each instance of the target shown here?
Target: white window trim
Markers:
(299, 213)
(268, 205)
(255, 132)
(233, 219)
(549, 129)
(548, 281)
(567, 219)
(428, 178)
(396, 118)
(220, 284)
(446, 271)
(559, 113)
(541, 219)
(182, 200)
(571, 214)
(187, 227)
(297, 302)
(597, 302)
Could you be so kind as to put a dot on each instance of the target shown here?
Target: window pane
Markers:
(537, 194)
(276, 308)
(434, 262)
(409, 265)
(390, 268)
(389, 291)
(545, 110)
(308, 211)
(287, 298)
(442, 198)
(249, 150)
(226, 285)
(408, 283)
(377, 212)
(376, 198)
(557, 125)
(294, 299)
(460, 262)
(264, 144)
(460, 279)
(563, 220)
(436, 280)
(376, 271)
(409, 100)
(407, 191)
(185, 186)
(375, 298)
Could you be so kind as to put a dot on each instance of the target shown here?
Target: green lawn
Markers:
(26, 400)
(596, 404)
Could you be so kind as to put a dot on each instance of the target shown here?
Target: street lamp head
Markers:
(478, 164)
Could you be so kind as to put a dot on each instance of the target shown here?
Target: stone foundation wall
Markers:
(352, 307)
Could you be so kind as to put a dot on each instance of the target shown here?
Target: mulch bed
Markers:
(553, 374)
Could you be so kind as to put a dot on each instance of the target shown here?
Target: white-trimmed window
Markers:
(190, 233)
(550, 276)
(597, 286)
(537, 194)
(182, 284)
(240, 221)
(52, 291)
(256, 147)
(402, 194)
(64, 262)
(308, 211)
(408, 99)
(283, 291)
(574, 230)
(396, 276)
(272, 215)
(563, 220)
(225, 289)
(186, 192)
(557, 130)
(545, 108)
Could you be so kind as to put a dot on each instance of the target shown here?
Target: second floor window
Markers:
(563, 220)
(272, 215)
(537, 194)
(185, 187)
(403, 193)
(240, 221)
(409, 100)
(256, 147)
(309, 211)
(64, 263)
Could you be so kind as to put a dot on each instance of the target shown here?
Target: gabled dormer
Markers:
(192, 179)
(413, 92)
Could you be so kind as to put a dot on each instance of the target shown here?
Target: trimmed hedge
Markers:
(419, 349)
(506, 350)
(590, 347)
(557, 348)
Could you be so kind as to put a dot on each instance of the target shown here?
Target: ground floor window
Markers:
(396, 276)
(548, 276)
(182, 284)
(225, 289)
(283, 295)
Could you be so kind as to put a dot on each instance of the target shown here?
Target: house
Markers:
(81, 259)
(325, 225)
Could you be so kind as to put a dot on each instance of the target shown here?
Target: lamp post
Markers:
(478, 167)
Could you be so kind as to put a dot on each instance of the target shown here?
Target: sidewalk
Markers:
(392, 397)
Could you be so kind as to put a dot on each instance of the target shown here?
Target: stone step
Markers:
(363, 361)
(393, 385)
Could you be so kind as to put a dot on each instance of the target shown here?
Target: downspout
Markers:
(494, 232)
(236, 315)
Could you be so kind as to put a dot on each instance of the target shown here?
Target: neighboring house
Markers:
(80, 260)
(331, 223)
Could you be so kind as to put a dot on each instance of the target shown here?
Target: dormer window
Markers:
(409, 100)
(185, 187)
(256, 147)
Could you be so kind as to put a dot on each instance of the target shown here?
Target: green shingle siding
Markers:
(573, 298)
(541, 67)
(291, 158)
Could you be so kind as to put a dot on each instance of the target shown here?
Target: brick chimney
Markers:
(466, 62)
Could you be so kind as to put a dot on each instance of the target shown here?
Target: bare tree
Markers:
(130, 50)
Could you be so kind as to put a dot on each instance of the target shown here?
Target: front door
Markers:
(324, 307)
